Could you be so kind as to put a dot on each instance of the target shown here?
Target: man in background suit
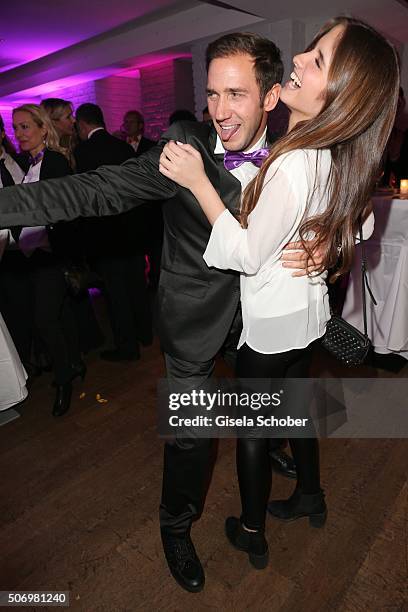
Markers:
(197, 305)
(97, 146)
(133, 126)
(115, 245)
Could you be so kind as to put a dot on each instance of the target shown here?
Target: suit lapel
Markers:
(44, 170)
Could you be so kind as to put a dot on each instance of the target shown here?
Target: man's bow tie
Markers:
(234, 159)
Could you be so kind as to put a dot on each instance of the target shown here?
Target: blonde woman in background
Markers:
(61, 113)
(34, 299)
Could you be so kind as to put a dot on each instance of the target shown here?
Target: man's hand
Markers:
(294, 256)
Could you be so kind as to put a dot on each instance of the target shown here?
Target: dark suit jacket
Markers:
(101, 149)
(62, 236)
(149, 218)
(55, 165)
(196, 303)
(121, 234)
(144, 145)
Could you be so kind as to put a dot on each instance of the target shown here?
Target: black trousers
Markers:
(253, 463)
(188, 461)
(89, 331)
(36, 308)
(127, 299)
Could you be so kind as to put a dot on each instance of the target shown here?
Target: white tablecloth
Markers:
(387, 263)
(12, 374)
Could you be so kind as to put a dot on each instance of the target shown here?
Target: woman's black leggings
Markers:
(253, 463)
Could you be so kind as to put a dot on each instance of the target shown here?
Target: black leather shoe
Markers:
(282, 463)
(300, 505)
(253, 543)
(183, 562)
(62, 399)
(117, 355)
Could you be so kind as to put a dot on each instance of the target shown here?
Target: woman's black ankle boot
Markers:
(251, 542)
(300, 505)
(62, 401)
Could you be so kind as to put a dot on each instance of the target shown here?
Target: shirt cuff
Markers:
(214, 254)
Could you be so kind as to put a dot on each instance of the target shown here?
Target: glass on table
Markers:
(404, 188)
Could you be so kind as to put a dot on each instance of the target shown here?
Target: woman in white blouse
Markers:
(318, 179)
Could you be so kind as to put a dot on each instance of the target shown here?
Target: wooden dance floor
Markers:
(79, 499)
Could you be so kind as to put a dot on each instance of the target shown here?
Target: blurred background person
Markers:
(395, 157)
(115, 245)
(12, 374)
(181, 114)
(61, 113)
(33, 293)
(206, 115)
(11, 173)
(133, 126)
(11, 164)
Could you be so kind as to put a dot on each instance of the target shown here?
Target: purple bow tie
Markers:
(234, 159)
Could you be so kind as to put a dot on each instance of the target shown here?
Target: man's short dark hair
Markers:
(134, 113)
(268, 65)
(90, 113)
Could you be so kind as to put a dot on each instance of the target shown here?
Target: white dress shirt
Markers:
(32, 238)
(13, 167)
(134, 143)
(12, 374)
(280, 312)
(17, 175)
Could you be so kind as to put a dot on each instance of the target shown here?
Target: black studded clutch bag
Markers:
(344, 341)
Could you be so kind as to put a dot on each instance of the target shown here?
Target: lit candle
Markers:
(404, 187)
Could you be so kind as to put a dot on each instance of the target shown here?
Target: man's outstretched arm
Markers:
(107, 191)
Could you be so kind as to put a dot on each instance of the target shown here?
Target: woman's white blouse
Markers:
(32, 238)
(17, 175)
(280, 312)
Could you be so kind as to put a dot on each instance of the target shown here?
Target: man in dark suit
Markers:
(197, 305)
(115, 246)
(97, 146)
(133, 127)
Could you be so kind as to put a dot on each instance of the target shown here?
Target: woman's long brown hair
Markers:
(354, 123)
